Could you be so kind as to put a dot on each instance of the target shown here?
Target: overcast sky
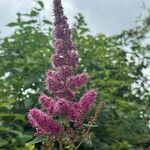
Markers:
(106, 16)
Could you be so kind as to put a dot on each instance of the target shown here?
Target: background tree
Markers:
(114, 74)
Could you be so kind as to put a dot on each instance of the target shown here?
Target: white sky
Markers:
(106, 16)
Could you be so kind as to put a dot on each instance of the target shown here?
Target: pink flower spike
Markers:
(53, 84)
(62, 82)
(73, 111)
(60, 107)
(62, 46)
(43, 122)
(66, 72)
(77, 81)
(55, 75)
(62, 32)
(67, 94)
(47, 103)
(58, 10)
(74, 59)
(58, 61)
(68, 59)
(87, 99)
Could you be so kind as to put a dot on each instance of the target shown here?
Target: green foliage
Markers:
(114, 73)
(113, 69)
(38, 139)
(24, 59)
(27, 147)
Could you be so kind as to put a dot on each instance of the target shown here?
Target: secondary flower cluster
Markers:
(62, 82)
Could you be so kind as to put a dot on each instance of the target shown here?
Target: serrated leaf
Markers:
(38, 139)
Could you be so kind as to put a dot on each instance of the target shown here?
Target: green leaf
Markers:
(41, 4)
(3, 142)
(29, 147)
(91, 126)
(5, 130)
(12, 24)
(28, 103)
(33, 13)
(29, 22)
(47, 21)
(7, 103)
(38, 139)
(25, 137)
(16, 115)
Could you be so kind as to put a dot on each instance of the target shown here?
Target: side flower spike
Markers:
(53, 85)
(87, 100)
(67, 94)
(43, 122)
(47, 103)
(77, 81)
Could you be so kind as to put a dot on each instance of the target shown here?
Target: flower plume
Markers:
(62, 82)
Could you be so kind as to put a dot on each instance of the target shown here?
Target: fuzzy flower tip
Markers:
(77, 111)
(43, 122)
(87, 99)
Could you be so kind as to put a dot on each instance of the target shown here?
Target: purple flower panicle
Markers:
(62, 82)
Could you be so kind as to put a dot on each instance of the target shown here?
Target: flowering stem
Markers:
(48, 144)
(83, 138)
(98, 110)
(63, 82)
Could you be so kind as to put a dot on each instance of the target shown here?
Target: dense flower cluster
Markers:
(42, 122)
(62, 82)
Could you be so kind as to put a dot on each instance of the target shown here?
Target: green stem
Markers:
(60, 145)
(84, 138)
(49, 143)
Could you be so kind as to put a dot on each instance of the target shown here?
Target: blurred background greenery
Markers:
(118, 66)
